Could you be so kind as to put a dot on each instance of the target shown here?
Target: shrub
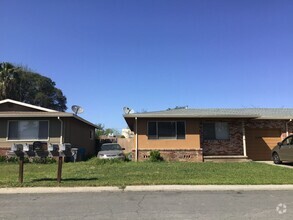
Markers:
(155, 156)
(128, 157)
(12, 159)
(2, 158)
(43, 160)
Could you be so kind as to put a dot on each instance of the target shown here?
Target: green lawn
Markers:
(94, 173)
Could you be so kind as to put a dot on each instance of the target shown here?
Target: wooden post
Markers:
(20, 176)
(59, 172)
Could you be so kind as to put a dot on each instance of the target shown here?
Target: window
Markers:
(166, 130)
(288, 141)
(28, 130)
(92, 134)
(216, 131)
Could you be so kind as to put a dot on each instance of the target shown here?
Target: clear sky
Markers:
(154, 54)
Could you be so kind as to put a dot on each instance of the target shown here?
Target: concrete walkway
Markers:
(26, 190)
(286, 165)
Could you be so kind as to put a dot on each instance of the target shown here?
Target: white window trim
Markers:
(22, 140)
(172, 138)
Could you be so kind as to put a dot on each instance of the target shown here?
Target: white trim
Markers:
(22, 140)
(27, 105)
(224, 156)
(287, 129)
(244, 139)
(136, 141)
(61, 131)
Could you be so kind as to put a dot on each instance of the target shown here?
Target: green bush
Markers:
(43, 160)
(12, 159)
(2, 158)
(155, 156)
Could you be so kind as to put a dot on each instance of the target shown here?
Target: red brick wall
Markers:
(233, 146)
(3, 151)
(172, 155)
(280, 124)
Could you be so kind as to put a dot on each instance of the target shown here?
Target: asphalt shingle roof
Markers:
(259, 113)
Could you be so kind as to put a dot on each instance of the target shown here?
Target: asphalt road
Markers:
(149, 205)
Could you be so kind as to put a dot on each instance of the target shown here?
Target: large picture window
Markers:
(215, 131)
(166, 130)
(28, 130)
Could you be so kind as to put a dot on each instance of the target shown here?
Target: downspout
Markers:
(287, 132)
(61, 132)
(136, 141)
(244, 139)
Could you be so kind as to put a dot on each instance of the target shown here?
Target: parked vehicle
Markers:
(283, 151)
(111, 151)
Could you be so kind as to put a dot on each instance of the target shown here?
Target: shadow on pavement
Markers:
(288, 164)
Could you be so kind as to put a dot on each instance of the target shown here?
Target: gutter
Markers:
(136, 141)
(287, 132)
(61, 130)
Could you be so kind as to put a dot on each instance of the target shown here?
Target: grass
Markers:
(110, 173)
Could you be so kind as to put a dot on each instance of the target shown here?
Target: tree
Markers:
(22, 84)
(8, 80)
(101, 130)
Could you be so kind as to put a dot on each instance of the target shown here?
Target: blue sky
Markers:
(153, 55)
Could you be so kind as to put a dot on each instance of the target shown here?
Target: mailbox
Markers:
(53, 147)
(66, 147)
(17, 147)
(26, 147)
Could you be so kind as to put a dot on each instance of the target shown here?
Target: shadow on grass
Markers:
(65, 179)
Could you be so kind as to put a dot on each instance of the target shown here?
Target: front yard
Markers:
(95, 173)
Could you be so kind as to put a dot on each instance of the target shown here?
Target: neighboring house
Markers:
(210, 134)
(127, 133)
(24, 123)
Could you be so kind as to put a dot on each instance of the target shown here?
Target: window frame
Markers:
(92, 134)
(165, 138)
(21, 140)
(215, 131)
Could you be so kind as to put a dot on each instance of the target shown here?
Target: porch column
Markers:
(244, 139)
(136, 141)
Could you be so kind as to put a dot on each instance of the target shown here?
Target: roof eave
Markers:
(188, 116)
(27, 105)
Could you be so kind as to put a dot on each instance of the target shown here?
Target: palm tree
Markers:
(8, 78)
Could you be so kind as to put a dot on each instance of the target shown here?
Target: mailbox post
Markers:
(59, 172)
(38, 149)
(20, 176)
(61, 150)
(19, 149)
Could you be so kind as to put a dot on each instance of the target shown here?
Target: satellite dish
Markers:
(77, 109)
(128, 110)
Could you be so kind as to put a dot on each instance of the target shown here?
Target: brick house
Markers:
(210, 134)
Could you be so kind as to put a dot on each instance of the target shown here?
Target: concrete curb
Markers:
(149, 188)
(208, 187)
(26, 190)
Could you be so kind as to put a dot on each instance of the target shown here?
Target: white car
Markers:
(111, 151)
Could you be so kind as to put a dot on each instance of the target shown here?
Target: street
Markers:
(149, 205)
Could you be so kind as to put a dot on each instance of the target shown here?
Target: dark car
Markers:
(283, 151)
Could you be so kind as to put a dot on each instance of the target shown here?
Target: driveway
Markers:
(284, 164)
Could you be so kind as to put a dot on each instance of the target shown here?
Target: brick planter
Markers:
(172, 155)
